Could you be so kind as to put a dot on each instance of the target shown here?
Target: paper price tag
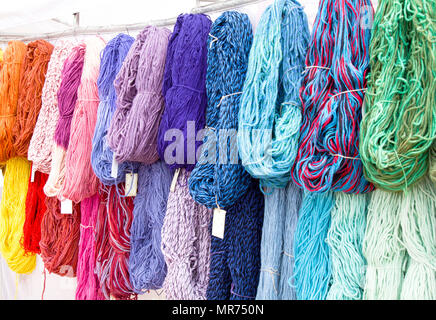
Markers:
(218, 223)
(32, 175)
(114, 168)
(67, 206)
(131, 186)
(175, 177)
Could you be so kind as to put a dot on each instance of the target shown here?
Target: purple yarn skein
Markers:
(184, 88)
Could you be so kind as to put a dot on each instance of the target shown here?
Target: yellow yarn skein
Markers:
(12, 215)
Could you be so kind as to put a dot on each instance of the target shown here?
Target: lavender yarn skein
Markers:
(133, 132)
(147, 266)
(112, 59)
(184, 89)
(224, 180)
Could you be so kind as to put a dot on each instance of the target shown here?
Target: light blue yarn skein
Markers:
(270, 113)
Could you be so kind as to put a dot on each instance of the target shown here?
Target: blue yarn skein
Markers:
(147, 267)
(312, 270)
(112, 59)
(235, 260)
(220, 178)
(270, 113)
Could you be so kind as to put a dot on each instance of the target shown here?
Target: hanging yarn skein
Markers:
(345, 239)
(147, 264)
(277, 246)
(417, 213)
(184, 89)
(41, 143)
(218, 177)
(101, 156)
(185, 244)
(133, 132)
(312, 270)
(235, 260)
(29, 100)
(270, 115)
(10, 76)
(112, 230)
(12, 216)
(67, 98)
(332, 95)
(383, 248)
(80, 180)
(400, 121)
(60, 235)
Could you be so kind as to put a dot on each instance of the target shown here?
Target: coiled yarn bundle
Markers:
(186, 244)
(41, 143)
(80, 180)
(235, 260)
(29, 100)
(345, 239)
(147, 265)
(111, 61)
(10, 76)
(400, 121)
(12, 216)
(184, 89)
(60, 235)
(88, 284)
(332, 95)
(112, 229)
(35, 209)
(67, 98)
(277, 247)
(133, 132)
(270, 115)
(312, 270)
(219, 178)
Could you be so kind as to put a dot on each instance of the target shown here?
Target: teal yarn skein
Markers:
(270, 112)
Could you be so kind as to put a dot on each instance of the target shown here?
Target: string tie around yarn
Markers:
(219, 179)
(112, 59)
(332, 95)
(270, 113)
(184, 91)
(133, 131)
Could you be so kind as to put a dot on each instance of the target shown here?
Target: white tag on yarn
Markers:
(218, 223)
(363, 107)
(114, 169)
(175, 177)
(131, 184)
(67, 206)
(32, 175)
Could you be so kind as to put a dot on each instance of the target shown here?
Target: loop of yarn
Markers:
(112, 229)
(270, 114)
(35, 209)
(12, 216)
(345, 239)
(218, 177)
(42, 140)
(60, 235)
(67, 98)
(235, 260)
(277, 247)
(147, 266)
(134, 128)
(10, 76)
(312, 270)
(80, 180)
(184, 89)
(400, 120)
(185, 244)
(29, 100)
(332, 98)
(88, 284)
(101, 156)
